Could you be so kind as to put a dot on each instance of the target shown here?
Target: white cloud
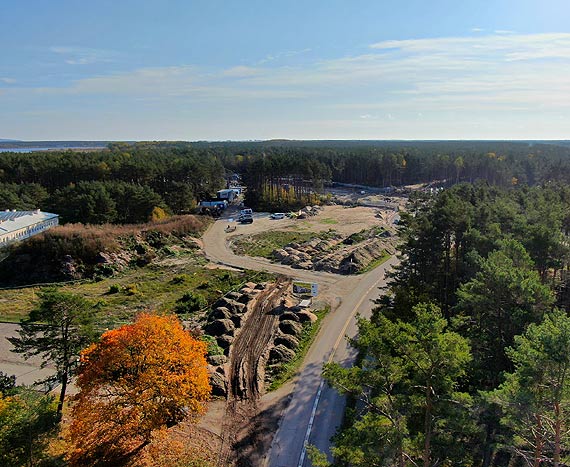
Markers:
(477, 30)
(241, 72)
(82, 55)
(8, 80)
(492, 79)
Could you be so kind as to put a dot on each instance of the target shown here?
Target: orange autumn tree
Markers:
(138, 378)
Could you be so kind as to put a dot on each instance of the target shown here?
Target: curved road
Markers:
(314, 411)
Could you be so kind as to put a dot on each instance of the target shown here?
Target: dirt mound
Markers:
(348, 255)
(280, 353)
(288, 341)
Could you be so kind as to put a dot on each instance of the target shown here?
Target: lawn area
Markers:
(377, 262)
(328, 220)
(264, 243)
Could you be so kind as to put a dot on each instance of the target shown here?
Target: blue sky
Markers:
(313, 69)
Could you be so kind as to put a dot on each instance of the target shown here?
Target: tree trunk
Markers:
(62, 392)
(557, 434)
(427, 427)
(539, 441)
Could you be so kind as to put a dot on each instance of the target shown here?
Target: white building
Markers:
(19, 225)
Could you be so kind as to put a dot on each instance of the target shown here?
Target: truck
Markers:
(230, 194)
(214, 204)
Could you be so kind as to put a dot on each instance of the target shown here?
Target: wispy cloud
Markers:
(83, 55)
(477, 30)
(8, 80)
(506, 68)
(241, 72)
(493, 77)
(282, 55)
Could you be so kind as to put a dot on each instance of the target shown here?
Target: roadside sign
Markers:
(305, 288)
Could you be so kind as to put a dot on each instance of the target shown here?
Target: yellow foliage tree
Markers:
(139, 378)
(158, 214)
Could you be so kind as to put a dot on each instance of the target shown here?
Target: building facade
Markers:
(19, 225)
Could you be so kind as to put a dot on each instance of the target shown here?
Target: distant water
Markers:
(24, 149)
(44, 149)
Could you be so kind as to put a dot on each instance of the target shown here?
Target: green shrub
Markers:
(180, 279)
(115, 288)
(131, 289)
(189, 303)
(213, 347)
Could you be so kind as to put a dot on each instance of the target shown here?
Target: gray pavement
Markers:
(315, 411)
(27, 371)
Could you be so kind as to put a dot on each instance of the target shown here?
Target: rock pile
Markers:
(286, 341)
(308, 211)
(223, 323)
(337, 254)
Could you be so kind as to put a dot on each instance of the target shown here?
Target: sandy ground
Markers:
(255, 437)
(26, 371)
(344, 220)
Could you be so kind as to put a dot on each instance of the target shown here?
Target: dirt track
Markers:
(246, 375)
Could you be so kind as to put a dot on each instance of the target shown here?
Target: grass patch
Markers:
(328, 220)
(287, 370)
(15, 304)
(377, 262)
(264, 243)
(153, 287)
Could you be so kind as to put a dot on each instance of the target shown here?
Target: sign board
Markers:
(305, 288)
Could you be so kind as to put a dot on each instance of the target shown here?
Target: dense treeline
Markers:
(290, 170)
(126, 181)
(118, 185)
(465, 361)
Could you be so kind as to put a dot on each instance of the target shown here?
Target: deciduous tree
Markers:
(138, 378)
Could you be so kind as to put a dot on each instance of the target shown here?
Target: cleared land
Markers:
(365, 237)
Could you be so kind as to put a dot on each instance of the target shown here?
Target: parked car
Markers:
(277, 215)
(246, 219)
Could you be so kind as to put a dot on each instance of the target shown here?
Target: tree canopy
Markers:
(136, 379)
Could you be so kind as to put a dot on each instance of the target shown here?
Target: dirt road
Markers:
(216, 247)
(310, 411)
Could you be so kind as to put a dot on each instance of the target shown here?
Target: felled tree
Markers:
(138, 378)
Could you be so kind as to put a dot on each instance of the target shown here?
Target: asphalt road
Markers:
(313, 402)
(315, 410)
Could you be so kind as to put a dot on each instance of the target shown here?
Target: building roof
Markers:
(16, 220)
